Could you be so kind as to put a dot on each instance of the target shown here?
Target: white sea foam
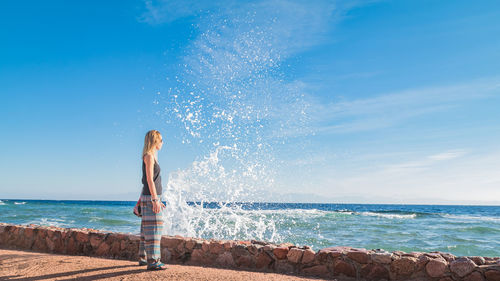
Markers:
(389, 216)
(285, 213)
(347, 212)
(50, 222)
(19, 203)
(94, 219)
(472, 218)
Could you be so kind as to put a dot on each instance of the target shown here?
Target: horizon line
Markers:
(259, 202)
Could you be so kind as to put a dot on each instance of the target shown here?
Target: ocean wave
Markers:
(300, 214)
(19, 203)
(345, 211)
(388, 215)
(311, 213)
(480, 229)
(315, 213)
(403, 212)
(50, 222)
(392, 214)
(95, 219)
(289, 212)
(471, 218)
(89, 210)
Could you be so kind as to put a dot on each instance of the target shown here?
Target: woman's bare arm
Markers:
(149, 161)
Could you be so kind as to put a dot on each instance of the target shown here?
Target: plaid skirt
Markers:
(151, 231)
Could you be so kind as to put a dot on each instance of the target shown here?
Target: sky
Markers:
(326, 101)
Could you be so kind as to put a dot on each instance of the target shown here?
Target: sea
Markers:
(460, 230)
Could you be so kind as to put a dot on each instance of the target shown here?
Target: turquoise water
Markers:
(461, 230)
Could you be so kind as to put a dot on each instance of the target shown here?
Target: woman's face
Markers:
(159, 144)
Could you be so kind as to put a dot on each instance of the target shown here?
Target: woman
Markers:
(152, 221)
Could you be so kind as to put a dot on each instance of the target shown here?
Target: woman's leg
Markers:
(152, 229)
(142, 249)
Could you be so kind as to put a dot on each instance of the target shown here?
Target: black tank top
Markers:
(156, 179)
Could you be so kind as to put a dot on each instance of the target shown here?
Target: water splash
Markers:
(235, 103)
(226, 220)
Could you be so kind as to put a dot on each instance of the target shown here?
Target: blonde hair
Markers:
(152, 138)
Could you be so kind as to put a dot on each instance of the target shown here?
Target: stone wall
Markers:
(343, 263)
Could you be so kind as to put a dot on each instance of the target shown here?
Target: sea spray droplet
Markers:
(234, 105)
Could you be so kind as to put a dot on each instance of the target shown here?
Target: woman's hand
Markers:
(157, 206)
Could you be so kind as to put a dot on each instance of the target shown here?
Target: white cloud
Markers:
(390, 109)
(422, 164)
(443, 177)
(446, 155)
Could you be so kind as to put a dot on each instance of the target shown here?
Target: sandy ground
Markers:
(21, 265)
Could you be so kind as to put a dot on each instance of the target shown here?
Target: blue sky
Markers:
(332, 101)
